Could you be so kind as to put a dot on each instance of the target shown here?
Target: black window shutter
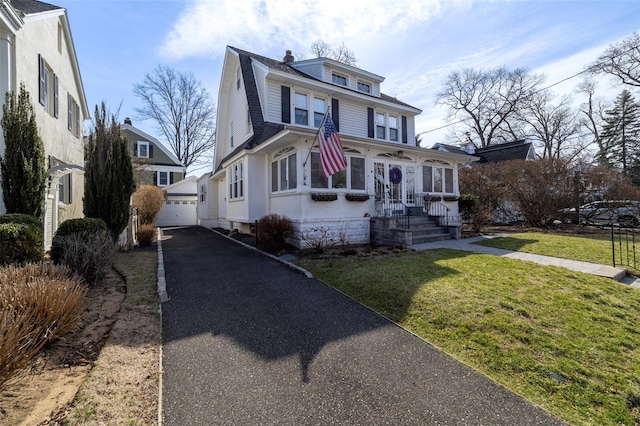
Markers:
(170, 178)
(286, 103)
(55, 96)
(150, 151)
(70, 189)
(135, 149)
(370, 128)
(41, 78)
(335, 113)
(404, 129)
(69, 112)
(155, 178)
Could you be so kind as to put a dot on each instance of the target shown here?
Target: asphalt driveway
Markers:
(247, 341)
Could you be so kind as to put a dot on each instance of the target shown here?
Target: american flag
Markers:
(331, 153)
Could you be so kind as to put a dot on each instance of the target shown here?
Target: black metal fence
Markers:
(623, 246)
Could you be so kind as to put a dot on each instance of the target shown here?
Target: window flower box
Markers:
(450, 198)
(428, 198)
(356, 197)
(317, 196)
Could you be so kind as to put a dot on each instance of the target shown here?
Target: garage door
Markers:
(178, 213)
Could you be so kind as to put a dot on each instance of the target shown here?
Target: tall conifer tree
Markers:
(23, 167)
(108, 174)
(620, 138)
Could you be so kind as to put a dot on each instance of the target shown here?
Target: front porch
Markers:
(427, 218)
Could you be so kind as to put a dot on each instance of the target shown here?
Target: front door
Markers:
(395, 186)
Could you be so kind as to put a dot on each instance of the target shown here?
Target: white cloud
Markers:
(205, 27)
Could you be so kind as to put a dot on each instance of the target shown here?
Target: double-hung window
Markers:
(393, 128)
(73, 116)
(284, 172)
(301, 105)
(380, 126)
(319, 109)
(236, 181)
(163, 178)
(143, 150)
(231, 134)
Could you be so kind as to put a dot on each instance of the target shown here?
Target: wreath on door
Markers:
(395, 175)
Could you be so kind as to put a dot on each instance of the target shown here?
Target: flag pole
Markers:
(304, 165)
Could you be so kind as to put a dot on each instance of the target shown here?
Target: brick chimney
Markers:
(128, 121)
(288, 58)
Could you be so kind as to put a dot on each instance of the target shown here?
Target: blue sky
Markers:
(414, 44)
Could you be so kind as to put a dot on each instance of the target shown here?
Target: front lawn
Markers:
(594, 248)
(521, 324)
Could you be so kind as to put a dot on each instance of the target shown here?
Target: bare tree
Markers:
(592, 112)
(342, 53)
(621, 60)
(555, 127)
(182, 110)
(488, 100)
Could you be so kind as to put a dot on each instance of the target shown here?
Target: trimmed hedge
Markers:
(20, 243)
(24, 219)
(86, 225)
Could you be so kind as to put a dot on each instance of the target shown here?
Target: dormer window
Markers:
(364, 87)
(338, 79)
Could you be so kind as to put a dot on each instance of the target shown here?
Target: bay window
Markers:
(437, 179)
(284, 172)
(353, 177)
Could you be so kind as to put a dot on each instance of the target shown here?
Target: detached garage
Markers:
(180, 207)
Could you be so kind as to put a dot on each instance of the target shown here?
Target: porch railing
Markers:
(423, 205)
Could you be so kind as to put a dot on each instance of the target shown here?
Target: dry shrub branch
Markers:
(38, 303)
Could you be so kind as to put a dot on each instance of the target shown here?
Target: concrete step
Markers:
(430, 238)
(420, 232)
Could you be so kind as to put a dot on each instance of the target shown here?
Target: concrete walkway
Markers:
(467, 244)
(249, 341)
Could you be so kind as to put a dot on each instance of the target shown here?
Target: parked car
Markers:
(624, 213)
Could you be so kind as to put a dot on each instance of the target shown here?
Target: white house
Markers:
(36, 48)
(267, 158)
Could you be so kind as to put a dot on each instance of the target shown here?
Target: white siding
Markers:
(314, 70)
(261, 83)
(353, 119)
(237, 114)
(274, 113)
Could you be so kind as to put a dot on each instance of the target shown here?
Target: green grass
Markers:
(515, 321)
(587, 248)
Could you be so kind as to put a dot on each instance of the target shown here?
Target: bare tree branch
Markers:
(182, 110)
(621, 60)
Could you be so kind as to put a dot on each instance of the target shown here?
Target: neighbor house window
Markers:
(380, 126)
(284, 172)
(163, 178)
(319, 108)
(73, 116)
(143, 150)
(301, 109)
(393, 128)
(48, 87)
(338, 79)
(353, 177)
(364, 87)
(203, 193)
(64, 189)
(236, 181)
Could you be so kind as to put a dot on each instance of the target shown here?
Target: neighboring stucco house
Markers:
(267, 160)
(36, 48)
(153, 163)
